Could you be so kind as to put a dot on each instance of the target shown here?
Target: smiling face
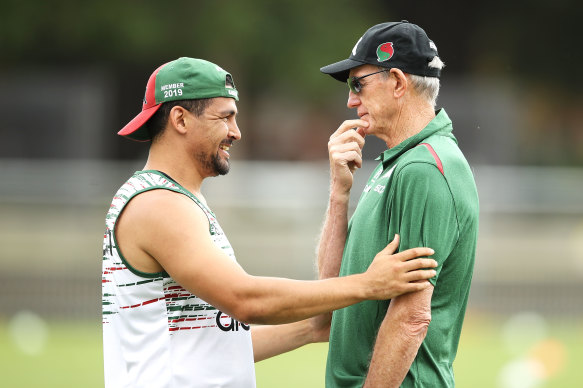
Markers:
(212, 135)
(375, 102)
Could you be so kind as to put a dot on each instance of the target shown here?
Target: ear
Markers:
(401, 83)
(178, 118)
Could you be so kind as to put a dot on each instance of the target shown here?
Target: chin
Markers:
(371, 130)
(221, 167)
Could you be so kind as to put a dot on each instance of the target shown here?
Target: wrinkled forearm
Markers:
(333, 236)
(390, 365)
(399, 338)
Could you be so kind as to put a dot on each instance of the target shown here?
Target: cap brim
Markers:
(341, 70)
(135, 129)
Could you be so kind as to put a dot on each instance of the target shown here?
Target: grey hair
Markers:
(428, 87)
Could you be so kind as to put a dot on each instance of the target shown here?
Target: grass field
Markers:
(523, 351)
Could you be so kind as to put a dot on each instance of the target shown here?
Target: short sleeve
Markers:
(422, 211)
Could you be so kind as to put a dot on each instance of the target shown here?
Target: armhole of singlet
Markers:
(135, 271)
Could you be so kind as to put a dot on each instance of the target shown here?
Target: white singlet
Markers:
(156, 333)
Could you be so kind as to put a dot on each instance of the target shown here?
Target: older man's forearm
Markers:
(399, 338)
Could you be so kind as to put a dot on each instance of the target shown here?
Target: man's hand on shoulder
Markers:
(390, 274)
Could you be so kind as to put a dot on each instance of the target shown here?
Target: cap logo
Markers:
(385, 51)
(432, 45)
(229, 81)
(355, 46)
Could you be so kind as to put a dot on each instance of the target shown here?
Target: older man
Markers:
(422, 189)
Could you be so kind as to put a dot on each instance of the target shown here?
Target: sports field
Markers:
(522, 351)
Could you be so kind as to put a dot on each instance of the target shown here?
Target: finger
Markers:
(392, 247)
(355, 163)
(346, 157)
(351, 137)
(350, 159)
(419, 263)
(352, 124)
(420, 274)
(418, 286)
(348, 125)
(337, 151)
(356, 134)
(413, 253)
(346, 145)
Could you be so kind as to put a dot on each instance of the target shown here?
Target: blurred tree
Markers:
(274, 50)
(269, 42)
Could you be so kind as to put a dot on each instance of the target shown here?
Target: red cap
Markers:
(149, 107)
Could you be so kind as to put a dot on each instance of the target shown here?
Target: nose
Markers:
(234, 131)
(353, 100)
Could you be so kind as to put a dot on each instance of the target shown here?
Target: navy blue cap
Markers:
(400, 45)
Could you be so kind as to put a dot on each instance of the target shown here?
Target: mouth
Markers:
(224, 147)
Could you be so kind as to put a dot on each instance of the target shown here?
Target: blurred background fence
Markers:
(530, 252)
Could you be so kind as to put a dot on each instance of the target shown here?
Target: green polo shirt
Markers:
(422, 189)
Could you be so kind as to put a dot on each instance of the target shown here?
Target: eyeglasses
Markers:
(354, 82)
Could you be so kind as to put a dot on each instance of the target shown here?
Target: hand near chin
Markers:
(392, 274)
(345, 153)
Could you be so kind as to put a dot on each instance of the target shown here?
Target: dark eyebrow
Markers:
(228, 112)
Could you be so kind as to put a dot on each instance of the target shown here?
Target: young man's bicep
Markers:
(176, 233)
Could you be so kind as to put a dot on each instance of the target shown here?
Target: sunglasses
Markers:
(354, 82)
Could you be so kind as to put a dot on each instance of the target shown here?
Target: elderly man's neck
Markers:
(413, 118)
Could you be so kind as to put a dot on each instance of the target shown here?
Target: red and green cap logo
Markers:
(181, 79)
(385, 51)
